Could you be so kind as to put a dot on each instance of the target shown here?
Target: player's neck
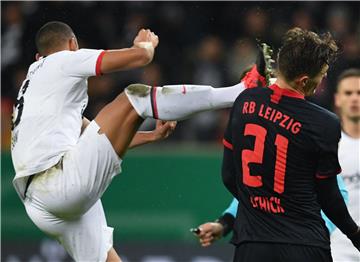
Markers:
(351, 128)
(58, 49)
(285, 85)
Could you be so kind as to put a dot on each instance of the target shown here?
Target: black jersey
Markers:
(280, 144)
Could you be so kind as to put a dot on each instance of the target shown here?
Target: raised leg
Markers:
(177, 102)
(119, 122)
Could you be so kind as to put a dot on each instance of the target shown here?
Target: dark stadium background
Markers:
(168, 187)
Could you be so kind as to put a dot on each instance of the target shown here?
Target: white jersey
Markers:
(47, 117)
(349, 154)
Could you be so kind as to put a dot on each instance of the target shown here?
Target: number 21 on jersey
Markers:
(256, 156)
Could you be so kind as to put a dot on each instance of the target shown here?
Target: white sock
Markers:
(176, 102)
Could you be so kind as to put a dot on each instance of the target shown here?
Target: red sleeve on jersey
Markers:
(98, 63)
(228, 144)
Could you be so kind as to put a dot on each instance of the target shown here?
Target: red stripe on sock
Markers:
(184, 90)
(155, 109)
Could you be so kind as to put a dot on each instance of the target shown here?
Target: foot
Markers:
(260, 73)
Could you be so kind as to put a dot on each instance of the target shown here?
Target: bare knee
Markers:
(113, 256)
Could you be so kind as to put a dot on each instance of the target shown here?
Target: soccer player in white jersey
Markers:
(63, 162)
(347, 100)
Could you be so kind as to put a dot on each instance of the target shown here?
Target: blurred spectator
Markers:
(133, 24)
(241, 55)
(11, 43)
(152, 75)
(208, 71)
(208, 65)
(11, 35)
(303, 18)
(338, 20)
(256, 23)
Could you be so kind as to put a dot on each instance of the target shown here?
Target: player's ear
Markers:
(301, 81)
(37, 56)
(73, 44)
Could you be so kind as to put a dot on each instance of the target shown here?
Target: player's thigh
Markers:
(87, 238)
(71, 187)
(92, 163)
(119, 121)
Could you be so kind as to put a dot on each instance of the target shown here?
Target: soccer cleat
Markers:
(260, 73)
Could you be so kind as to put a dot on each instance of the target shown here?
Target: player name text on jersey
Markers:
(273, 115)
(267, 204)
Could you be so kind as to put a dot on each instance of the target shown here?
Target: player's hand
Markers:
(163, 129)
(146, 39)
(209, 233)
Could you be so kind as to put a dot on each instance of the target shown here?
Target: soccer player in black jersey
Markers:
(280, 160)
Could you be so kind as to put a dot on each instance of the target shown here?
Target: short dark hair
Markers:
(305, 52)
(351, 72)
(51, 35)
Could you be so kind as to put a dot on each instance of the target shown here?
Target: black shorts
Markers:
(275, 252)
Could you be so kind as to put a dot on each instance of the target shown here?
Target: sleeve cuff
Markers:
(98, 63)
(227, 221)
(327, 174)
(227, 144)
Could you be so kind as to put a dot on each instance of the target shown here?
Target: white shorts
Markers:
(64, 201)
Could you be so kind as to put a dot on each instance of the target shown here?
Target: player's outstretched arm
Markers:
(163, 130)
(139, 55)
